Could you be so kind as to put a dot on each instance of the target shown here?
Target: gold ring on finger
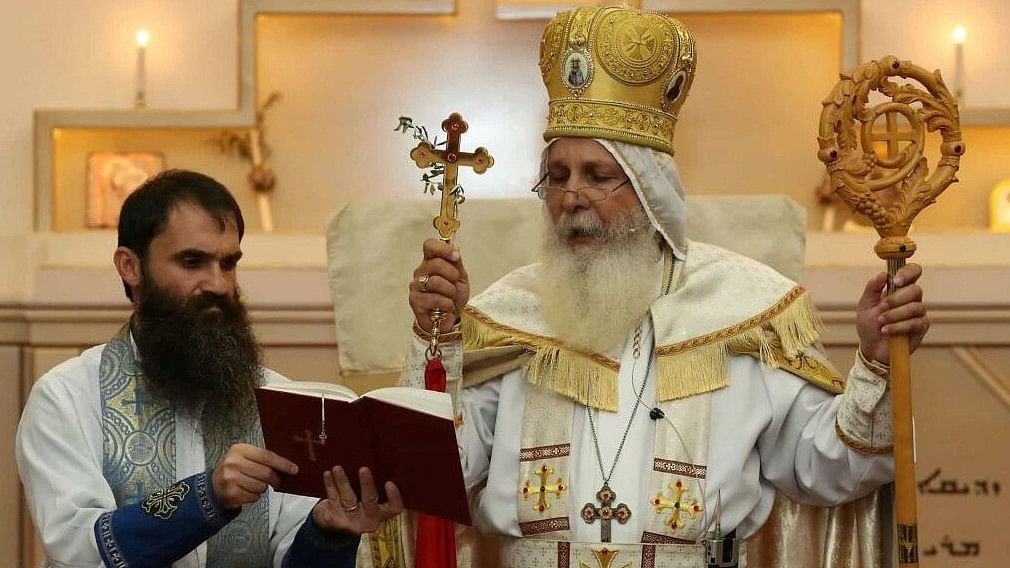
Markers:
(422, 283)
(352, 508)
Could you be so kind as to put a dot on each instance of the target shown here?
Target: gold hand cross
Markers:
(425, 156)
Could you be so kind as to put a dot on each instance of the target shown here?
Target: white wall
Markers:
(920, 30)
(73, 54)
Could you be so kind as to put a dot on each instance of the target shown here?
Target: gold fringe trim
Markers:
(700, 364)
(683, 369)
(688, 373)
(589, 378)
(480, 331)
(794, 315)
(570, 374)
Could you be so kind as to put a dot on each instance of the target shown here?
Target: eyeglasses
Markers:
(592, 193)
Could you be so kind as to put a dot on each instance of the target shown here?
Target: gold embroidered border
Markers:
(517, 337)
(544, 452)
(861, 447)
(679, 468)
(805, 366)
(531, 528)
(385, 546)
(758, 320)
(455, 335)
(872, 365)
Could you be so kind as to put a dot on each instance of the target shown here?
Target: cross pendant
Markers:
(452, 158)
(605, 512)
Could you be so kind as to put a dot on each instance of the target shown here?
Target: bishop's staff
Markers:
(891, 190)
(436, 544)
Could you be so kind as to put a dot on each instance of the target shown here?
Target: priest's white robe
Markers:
(59, 458)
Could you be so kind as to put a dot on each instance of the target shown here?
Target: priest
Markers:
(649, 395)
(147, 450)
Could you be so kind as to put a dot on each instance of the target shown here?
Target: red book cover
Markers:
(403, 435)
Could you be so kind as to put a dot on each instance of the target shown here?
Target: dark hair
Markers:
(145, 212)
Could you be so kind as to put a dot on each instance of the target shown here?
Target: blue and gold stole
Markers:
(139, 449)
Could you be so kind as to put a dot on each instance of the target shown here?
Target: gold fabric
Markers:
(855, 535)
(616, 73)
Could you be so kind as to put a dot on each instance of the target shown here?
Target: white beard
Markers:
(594, 297)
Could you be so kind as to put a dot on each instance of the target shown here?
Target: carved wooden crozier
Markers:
(891, 189)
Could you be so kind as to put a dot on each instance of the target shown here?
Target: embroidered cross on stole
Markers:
(667, 518)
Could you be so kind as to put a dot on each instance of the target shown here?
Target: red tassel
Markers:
(434, 375)
(435, 546)
(436, 543)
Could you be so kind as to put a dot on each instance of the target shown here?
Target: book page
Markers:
(314, 388)
(429, 402)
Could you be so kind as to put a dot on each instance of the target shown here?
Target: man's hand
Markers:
(878, 316)
(245, 472)
(342, 511)
(445, 285)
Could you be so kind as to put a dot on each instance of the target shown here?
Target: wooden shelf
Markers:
(982, 116)
(47, 120)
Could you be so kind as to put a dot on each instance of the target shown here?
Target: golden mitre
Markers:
(616, 73)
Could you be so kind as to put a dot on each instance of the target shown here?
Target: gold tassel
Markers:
(588, 378)
(691, 372)
(573, 375)
(693, 367)
(797, 326)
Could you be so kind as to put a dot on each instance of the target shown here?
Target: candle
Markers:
(143, 38)
(959, 35)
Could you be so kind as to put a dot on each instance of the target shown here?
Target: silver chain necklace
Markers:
(606, 512)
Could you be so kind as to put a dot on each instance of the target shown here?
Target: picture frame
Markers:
(111, 178)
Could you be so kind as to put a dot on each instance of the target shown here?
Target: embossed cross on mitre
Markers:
(425, 156)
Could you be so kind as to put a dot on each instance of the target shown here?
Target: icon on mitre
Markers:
(577, 70)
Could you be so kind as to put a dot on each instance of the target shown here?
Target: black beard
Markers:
(205, 363)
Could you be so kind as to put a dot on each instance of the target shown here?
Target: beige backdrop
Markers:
(748, 126)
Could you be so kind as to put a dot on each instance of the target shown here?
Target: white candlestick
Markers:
(959, 35)
(143, 37)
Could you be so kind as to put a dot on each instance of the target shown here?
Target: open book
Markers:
(403, 435)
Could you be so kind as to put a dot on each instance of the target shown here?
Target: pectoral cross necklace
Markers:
(607, 512)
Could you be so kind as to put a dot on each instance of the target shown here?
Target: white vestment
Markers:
(59, 458)
(768, 429)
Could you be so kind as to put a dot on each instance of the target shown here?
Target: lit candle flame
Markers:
(143, 37)
(959, 35)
